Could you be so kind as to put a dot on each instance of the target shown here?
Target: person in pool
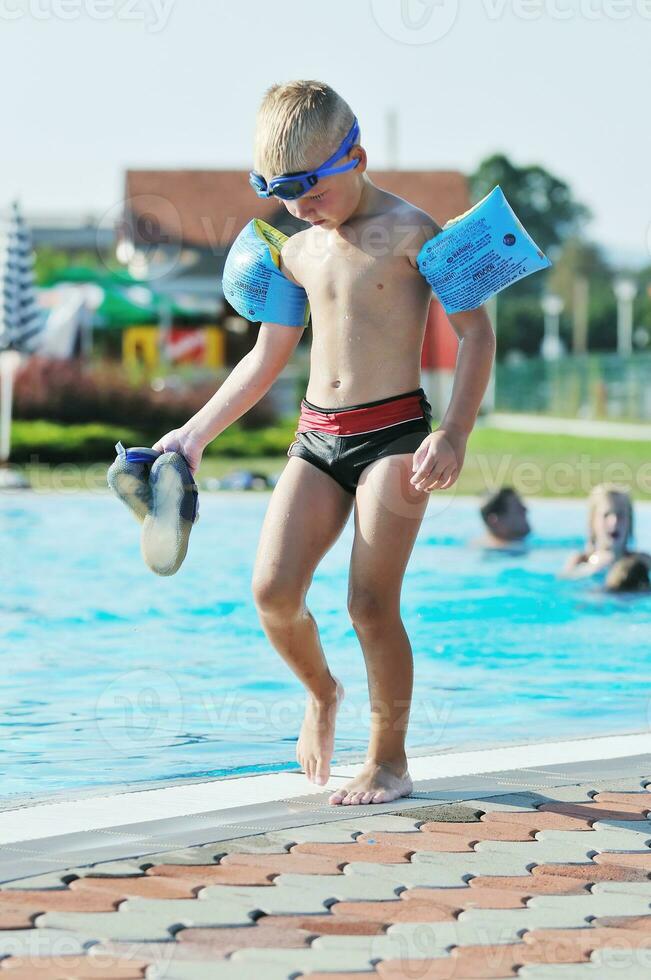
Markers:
(364, 441)
(610, 531)
(628, 574)
(505, 517)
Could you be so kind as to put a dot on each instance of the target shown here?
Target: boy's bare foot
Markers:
(316, 741)
(378, 782)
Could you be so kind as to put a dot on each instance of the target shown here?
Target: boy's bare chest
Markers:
(350, 273)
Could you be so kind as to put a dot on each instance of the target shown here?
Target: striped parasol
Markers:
(21, 319)
(21, 324)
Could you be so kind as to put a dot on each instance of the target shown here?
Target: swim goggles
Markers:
(291, 186)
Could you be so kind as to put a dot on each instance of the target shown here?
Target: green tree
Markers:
(544, 203)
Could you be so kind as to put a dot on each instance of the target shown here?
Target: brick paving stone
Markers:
(329, 924)
(16, 918)
(305, 960)
(486, 925)
(221, 970)
(435, 836)
(225, 941)
(532, 885)
(641, 799)
(44, 942)
(108, 925)
(467, 898)
(482, 961)
(339, 976)
(149, 919)
(612, 839)
(306, 893)
(198, 876)
(639, 888)
(254, 844)
(516, 802)
(591, 872)
(422, 940)
(155, 953)
(441, 872)
(444, 812)
(119, 889)
(204, 854)
(77, 967)
(622, 859)
(53, 900)
(390, 912)
(343, 831)
(623, 960)
(277, 931)
(624, 922)
(592, 810)
(295, 861)
(345, 853)
(537, 851)
(113, 869)
(590, 905)
(582, 971)
(588, 939)
(534, 820)
(432, 842)
(53, 879)
(488, 858)
(642, 827)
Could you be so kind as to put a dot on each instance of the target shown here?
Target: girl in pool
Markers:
(610, 531)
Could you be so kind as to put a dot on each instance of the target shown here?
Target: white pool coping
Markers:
(46, 820)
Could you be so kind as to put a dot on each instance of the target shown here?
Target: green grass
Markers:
(75, 457)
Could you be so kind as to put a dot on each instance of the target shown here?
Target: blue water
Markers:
(113, 675)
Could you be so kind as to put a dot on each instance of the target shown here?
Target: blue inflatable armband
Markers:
(478, 254)
(253, 282)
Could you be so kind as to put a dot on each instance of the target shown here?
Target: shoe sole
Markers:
(166, 528)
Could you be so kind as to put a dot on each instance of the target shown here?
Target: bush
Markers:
(74, 392)
(49, 442)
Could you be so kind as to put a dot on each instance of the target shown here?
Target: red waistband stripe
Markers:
(358, 420)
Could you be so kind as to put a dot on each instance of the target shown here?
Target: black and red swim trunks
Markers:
(343, 441)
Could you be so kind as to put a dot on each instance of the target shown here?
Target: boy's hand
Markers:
(182, 441)
(438, 460)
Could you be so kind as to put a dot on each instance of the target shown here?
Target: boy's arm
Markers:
(435, 465)
(473, 369)
(249, 380)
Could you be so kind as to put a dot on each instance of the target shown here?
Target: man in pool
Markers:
(505, 517)
(364, 438)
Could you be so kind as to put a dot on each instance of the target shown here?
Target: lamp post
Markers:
(551, 347)
(625, 290)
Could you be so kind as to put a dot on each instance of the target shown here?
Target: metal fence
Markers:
(590, 386)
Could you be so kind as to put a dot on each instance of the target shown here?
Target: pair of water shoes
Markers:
(159, 490)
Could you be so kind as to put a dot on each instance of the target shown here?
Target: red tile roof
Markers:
(207, 208)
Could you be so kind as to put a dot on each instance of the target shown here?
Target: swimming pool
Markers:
(112, 675)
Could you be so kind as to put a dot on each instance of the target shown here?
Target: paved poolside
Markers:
(539, 870)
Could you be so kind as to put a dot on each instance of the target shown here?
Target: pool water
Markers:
(112, 675)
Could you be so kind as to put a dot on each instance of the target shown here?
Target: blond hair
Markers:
(296, 121)
(608, 492)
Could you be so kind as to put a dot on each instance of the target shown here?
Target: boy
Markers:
(364, 437)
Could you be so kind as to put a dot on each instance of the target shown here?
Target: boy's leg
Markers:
(388, 515)
(306, 514)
